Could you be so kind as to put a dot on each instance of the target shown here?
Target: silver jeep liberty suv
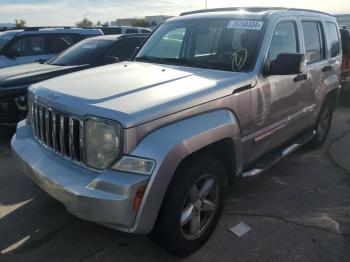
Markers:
(212, 97)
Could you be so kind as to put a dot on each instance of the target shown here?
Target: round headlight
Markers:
(102, 143)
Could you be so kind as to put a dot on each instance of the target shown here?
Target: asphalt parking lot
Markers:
(299, 211)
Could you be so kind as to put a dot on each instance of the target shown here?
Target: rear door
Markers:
(315, 49)
(322, 54)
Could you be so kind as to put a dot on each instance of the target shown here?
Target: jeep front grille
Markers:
(58, 131)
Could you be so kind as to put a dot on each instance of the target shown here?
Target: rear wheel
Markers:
(192, 206)
(323, 124)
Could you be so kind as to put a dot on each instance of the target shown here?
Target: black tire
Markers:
(169, 232)
(323, 124)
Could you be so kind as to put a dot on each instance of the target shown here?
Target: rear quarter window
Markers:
(333, 39)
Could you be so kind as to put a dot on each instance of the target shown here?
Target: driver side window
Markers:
(284, 40)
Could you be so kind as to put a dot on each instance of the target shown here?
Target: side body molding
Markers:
(171, 144)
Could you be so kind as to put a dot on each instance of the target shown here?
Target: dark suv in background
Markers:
(33, 44)
(92, 52)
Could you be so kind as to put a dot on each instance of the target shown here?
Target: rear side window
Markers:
(60, 43)
(314, 41)
(131, 31)
(111, 30)
(333, 39)
(29, 46)
(285, 40)
(144, 31)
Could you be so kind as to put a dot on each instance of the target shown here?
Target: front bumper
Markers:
(106, 198)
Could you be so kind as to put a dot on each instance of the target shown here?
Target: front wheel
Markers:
(323, 124)
(192, 206)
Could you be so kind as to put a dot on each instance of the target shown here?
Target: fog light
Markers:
(135, 165)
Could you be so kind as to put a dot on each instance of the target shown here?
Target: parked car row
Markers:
(91, 52)
(212, 98)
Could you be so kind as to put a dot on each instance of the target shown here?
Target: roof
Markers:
(53, 30)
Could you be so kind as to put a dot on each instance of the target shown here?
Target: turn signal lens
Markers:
(135, 165)
(138, 197)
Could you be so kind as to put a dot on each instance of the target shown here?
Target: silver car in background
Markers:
(212, 98)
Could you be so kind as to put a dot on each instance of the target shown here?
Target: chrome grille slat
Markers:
(36, 117)
(81, 139)
(54, 131)
(41, 124)
(71, 139)
(57, 131)
(62, 135)
(47, 127)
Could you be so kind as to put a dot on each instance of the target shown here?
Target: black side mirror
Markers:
(286, 64)
(111, 59)
(13, 54)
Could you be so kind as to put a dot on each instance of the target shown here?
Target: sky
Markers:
(67, 12)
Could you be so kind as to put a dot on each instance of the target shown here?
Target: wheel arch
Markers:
(171, 146)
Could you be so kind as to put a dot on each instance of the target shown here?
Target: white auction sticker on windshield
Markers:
(244, 24)
(89, 46)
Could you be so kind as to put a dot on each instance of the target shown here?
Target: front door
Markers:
(278, 101)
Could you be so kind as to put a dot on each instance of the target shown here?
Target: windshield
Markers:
(86, 52)
(4, 39)
(220, 44)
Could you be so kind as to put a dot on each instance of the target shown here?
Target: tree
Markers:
(140, 22)
(85, 23)
(105, 24)
(20, 23)
(99, 23)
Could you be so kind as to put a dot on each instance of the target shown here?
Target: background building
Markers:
(123, 22)
(343, 19)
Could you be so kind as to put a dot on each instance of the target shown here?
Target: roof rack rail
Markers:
(250, 9)
(37, 28)
(308, 10)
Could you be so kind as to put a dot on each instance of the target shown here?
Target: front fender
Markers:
(171, 144)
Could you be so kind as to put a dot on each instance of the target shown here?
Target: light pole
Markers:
(206, 4)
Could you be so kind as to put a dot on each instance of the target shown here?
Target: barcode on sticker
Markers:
(253, 25)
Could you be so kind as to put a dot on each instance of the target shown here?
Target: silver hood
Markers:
(133, 93)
